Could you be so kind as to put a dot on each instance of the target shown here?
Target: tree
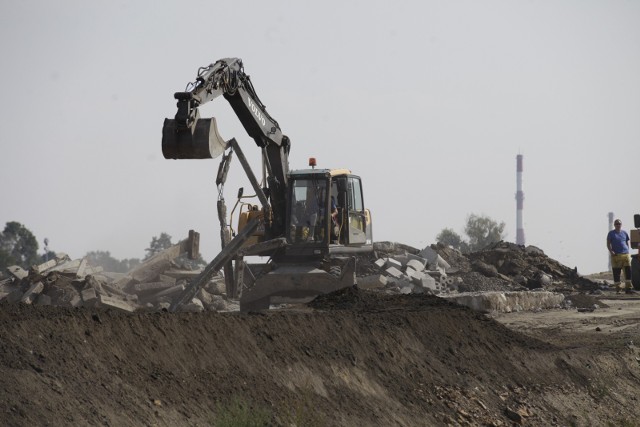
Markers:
(158, 244)
(449, 237)
(18, 246)
(480, 230)
(483, 231)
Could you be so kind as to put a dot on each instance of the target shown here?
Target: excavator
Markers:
(309, 224)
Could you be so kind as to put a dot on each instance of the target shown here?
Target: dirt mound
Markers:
(349, 358)
(352, 357)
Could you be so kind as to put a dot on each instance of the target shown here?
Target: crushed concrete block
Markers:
(394, 272)
(115, 303)
(113, 290)
(67, 267)
(393, 263)
(31, 294)
(507, 302)
(372, 282)
(434, 260)
(205, 297)
(406, 288)
(418, 258)
(17, 272)
(217, 286)
(89, 297)
(95, 283)
(76, 300)
(81, 268)
(402, 259)
(428, 282)
(151, 272)
(172, 291)
(45, 266)
(146, 289)
(429, 254)
(380, 262)
(182, 274)
(416, 276)
(195, 306)
(416, 264)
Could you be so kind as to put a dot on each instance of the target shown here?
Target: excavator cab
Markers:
(326, 210)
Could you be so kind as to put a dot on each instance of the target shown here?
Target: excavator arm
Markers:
(188, 136)
(227, 77)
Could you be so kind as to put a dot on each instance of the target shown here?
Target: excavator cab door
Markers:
(354, 220)
(357, 216)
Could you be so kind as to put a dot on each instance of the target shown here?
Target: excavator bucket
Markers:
(201, 141)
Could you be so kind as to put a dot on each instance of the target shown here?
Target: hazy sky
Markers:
(428, 101)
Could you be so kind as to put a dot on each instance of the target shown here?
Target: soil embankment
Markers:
(349, 358)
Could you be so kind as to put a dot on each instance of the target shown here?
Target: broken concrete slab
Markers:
(434, 259)
(145, 289)
(170, 292)
(393, 263)
(416, 265)
(81, 268)
(507, 302)
(374, 281)
(45, 266)
(17, 272)
(33, 291)
(194, 306)
(394, 272)
(116, 304)
(89, 297)
(380, 262)
(181, 274)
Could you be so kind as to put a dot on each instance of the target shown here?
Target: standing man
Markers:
(618, 245)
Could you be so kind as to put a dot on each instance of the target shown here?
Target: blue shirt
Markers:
(618, 241)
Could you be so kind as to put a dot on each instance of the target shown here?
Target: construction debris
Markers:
(153, 285)
(503, 277)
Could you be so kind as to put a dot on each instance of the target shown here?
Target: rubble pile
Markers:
(153, 285)
(398, 268)
(393, 268)
(440, 269)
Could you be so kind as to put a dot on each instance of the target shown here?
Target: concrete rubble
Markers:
(502, 278)
(153, 285)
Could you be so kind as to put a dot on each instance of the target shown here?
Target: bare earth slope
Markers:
(349, 358)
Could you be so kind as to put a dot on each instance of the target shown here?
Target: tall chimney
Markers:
(610, 215)
(520, 203)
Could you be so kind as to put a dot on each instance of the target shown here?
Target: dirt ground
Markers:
(351, 358)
